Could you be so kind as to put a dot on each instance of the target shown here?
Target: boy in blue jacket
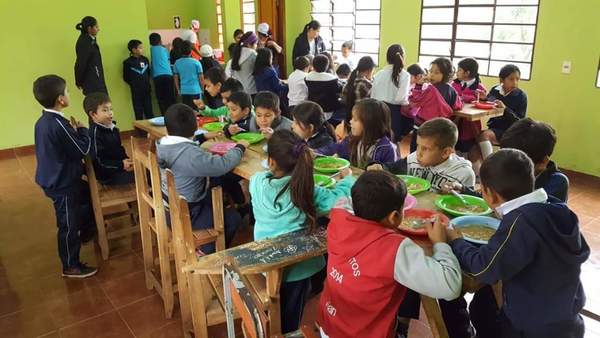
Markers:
(60, 145)
(536, 252)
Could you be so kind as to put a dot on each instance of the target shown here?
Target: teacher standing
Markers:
(89, 73)
(309, 42)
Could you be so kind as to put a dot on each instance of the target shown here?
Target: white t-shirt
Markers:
(312, 47)
(385, 90)
(298, 91)
(454, 169)
(189, 35)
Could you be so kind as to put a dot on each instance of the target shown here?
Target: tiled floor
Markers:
(36, 302)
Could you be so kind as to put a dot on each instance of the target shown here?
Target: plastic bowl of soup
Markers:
(476, 229)
(474, 206)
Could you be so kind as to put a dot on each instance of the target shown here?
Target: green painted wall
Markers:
(161, 12)
(42, 42)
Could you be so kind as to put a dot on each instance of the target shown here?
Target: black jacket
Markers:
(107, 152)
(243, 123)
(89, 73)
(136, 72)
(516, 108)
(302, 48)
(208, 63)
(320, 139)
(325, 93)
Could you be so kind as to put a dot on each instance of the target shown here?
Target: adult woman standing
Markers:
(89, 73)
(309, 42)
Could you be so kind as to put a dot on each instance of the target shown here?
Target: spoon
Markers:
(462, 199)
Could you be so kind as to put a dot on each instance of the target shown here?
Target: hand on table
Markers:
(448, 187)
(374, 167)
(436, 231)
(452, 234)
(345, 173)
(200, 104)
(213, 134)
(234, 129)
(499, 104)
(128, 164)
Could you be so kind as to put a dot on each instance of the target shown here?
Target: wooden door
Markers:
(273, 13)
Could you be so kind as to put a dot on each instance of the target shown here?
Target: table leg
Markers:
(273, 284)
(434, 317)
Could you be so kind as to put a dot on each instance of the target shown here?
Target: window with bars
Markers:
(248, 15)
(349, 20)
(220, 24)
(495, 32)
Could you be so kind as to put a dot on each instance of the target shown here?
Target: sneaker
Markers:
(83, 271)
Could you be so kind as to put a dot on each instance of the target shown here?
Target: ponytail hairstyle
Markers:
(395, 57)
(86, 22)
(470, 65)
(375, 118)
(248, 39)
(314, 25)
(293, 157)
(364, 64)
(445, 67)
(310, 113)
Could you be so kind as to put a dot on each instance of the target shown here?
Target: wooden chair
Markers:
(105, 199)
(243, 298)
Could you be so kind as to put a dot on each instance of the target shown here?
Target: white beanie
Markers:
(206, 51)
(195, 24)
(263, 28)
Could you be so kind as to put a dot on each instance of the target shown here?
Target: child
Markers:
(216, 85)
(240, 114)
(347, 57)
(188, 76)
(506, 95)
(358, 88)
(192, 167)
(536, 252)
(298, 91)
(162, 74)
(60, 146)
(324, 88)
(242, 61)
(343, 73)
(111, 163)
(370, 265)
(392, 85)
(137, 76)
(370, 136)
(213, 81)
(175, 53)
(311, 126)
(267, 117)
(285, 199)
(265, 76)
(436, 100)
(208, 58)
(468, 87)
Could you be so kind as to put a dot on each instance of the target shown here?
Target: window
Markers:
(220, 24)
(248, 16)
(495, 32)
(349, 20)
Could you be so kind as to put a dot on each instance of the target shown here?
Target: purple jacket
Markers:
(385, 151)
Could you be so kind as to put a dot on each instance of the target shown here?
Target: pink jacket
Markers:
(468, 130)
(430, 103)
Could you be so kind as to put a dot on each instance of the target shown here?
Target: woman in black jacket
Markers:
(309, 41)
(89, 73)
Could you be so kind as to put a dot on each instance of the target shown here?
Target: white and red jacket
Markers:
(368, 271)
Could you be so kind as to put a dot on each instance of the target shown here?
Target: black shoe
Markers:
(83, 271)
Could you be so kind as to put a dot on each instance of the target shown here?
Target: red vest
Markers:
(361, 297)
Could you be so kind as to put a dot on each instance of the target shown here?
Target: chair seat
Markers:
(115, 195)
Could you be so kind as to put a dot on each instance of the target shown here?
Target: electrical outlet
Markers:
(566, 67)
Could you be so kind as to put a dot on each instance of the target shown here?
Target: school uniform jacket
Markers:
(136, 72)
(89, 73)
(269, 80)
(302, 47)
(516, 107)
(324, 89)
(320, 139)
(107, 152)
(59, 150)
(244, 123)
(434, 101)
(468, 130)
(383, 151)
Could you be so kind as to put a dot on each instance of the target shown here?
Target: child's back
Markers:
(188, 70)
(298, 91)
(160, 61)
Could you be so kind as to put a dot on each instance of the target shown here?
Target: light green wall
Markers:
(161, 12)
(233, 20)
(42, 41)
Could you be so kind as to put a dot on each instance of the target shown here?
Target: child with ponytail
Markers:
(357, 88)
(285, 199)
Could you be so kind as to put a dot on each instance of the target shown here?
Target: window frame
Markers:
(243, 13)
(220, 24)
(491, 42)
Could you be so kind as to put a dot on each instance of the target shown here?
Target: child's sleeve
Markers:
(418, 96)
(98, 151)
(384, 154)
(458, 103)
(403, 89)
(83, 52)
(438, 276)
(76, 143)
(341, 148)
(216, 112)
(519, 111)
(203, 163)
(325, 198)
(125, 72)
(466, 177)
(510, 249)
(558, 186)
(399, 167)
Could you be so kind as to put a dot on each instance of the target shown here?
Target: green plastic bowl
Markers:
(324, 181)
(214, 126)
(330, 164)
(423, 184)
(248, 137)
(453, 206)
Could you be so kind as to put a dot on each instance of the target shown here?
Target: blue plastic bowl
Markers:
(462, 221)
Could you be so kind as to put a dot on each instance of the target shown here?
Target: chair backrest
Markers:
(92, 182)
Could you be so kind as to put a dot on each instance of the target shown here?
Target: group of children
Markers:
(373, 272)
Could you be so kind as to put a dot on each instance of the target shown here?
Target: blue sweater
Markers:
(516, 108)
(268, 80)
(59, 150)
(161, 65)
(383, 152)
(537, 253)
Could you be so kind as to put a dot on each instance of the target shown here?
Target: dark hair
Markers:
(237, 32)
(241, 99)
(310, 113)
(186, 48)
(415, 70)
(86, 22)
(47, 89)
(264, 60)
(215, 75)
(507, 70)
(375, 117)
(365, 63)
(442, 130)
(133, 44)
(508, 172)
(92, 101)
(321, 63)
(376, 194)
(177, 43)
(267, 100)
(155, 39)
(445, 67)
(293, 156)
(232, 85)
(395, 57)
(330, 65)
(314, 24)
(470, 65)
(301, 62)
(180, 120)
(347, 44)
(536, 139)
(231, 48)
(237, 52)
(343, 70)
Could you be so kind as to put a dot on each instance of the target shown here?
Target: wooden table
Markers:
(470, 113)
